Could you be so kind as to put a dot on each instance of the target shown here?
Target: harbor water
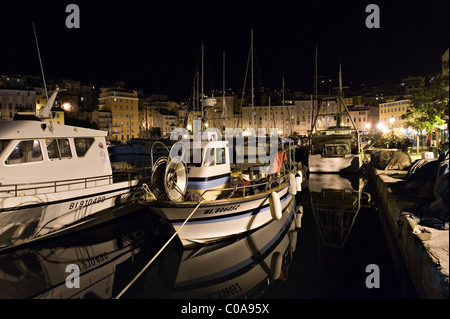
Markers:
(330, 244)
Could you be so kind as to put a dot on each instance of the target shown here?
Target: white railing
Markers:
(54, 186)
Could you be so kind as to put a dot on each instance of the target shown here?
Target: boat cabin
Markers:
(35, 152)
(212, 170)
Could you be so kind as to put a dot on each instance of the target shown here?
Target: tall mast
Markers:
(340, 80)
(224, 105)
(268, 122)
(201, 98)
(253, 93)
(315, 84)
(339, 114)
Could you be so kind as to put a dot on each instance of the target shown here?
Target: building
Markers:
(104, 121)
(124, 107)
(295, 117)
(159, 116)
(390, 114)
(41, 99)
(14, 101)
(362, 117)
(57, 116)
(412, 84)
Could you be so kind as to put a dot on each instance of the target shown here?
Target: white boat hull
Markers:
(215, 220)
(350, 163)
(30, 217)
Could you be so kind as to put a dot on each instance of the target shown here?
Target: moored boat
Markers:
(207, 202)
(338, 148)
(53, 176)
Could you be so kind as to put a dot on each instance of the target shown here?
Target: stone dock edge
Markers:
(424, 251)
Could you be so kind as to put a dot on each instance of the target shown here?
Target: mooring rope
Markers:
(159, 252)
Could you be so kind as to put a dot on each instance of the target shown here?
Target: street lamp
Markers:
(382, 127)
(392, 120)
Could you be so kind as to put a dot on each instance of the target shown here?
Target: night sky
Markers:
(155, 46)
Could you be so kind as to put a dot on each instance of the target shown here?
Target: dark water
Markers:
(324, 257)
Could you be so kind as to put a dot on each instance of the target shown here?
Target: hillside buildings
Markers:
(124, 108)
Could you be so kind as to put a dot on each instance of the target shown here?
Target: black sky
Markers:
(155, 46)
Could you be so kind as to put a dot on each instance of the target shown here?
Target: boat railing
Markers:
(234, 189)
(37, 188)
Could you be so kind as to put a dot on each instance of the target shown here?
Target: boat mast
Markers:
(316, 115)
(315, 88)
(253, 89)
(43, 79)
(224, 105)
(201, 98)
(339, 112)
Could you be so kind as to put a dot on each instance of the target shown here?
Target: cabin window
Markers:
(25, 152)
(58, 148)
(210, 158)
(220, 155)
(82, 145)
(3, 144)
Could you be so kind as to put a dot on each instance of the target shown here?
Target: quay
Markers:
(422, 251)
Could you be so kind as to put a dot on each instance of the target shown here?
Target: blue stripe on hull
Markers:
(207, 184)
(220, 219)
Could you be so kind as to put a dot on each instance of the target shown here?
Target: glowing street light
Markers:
(67, 107)
(392, 120)
(382, 127)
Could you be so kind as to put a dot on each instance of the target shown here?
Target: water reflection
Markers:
(242, 268)
(335, 201)
(110, 256)
(130, 161)
(102, 256)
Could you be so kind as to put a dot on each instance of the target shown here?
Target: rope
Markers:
(158, 253)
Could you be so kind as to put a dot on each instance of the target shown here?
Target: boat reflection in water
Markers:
(335, 201)
(101, 256)
(110, 256)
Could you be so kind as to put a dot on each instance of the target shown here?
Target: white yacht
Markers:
(53, 176)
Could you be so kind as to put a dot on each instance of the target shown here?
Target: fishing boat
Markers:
(210, 188)
(208, 201)
(337, 148)
(53, 177)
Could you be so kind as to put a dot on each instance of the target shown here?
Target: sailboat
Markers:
(337, 148)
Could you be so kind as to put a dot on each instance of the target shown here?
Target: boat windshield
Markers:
(3, 144)
(25, 152)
